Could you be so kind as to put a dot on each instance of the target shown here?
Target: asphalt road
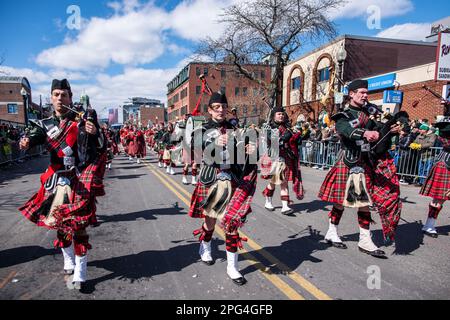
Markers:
(144, 248)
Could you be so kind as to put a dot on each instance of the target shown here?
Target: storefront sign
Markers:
(382, 82)
(443, 57)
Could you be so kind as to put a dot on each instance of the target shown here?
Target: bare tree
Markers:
(2, 60)
(276, 29)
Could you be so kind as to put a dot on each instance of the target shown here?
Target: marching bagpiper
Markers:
(349, 182)
(140, 150)
(286, 166)
(437, 184)
(66, 201)
(188, 155)
(225, 190)
(168, 145)
(108, 134)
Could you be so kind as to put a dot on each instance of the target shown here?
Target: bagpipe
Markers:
(383, 144)
(444, 100)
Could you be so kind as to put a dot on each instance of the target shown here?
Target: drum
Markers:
(193, 123)
(176, 155)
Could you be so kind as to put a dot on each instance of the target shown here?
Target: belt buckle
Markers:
(54, 132)
(69, 161)
(365, 147)
(63, 181)
(224, 176)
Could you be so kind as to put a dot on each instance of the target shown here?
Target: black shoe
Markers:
(377, 253)
(432, 235)
(239, 281)
(208, 263)
(80, 286)
(287, 212)
(339, 245)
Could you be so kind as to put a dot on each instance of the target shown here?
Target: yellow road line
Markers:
(311, 288)
(9, 277)
(280, 284)
(266, 272)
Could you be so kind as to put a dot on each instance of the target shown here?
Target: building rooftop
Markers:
(15, 79)
(364, 38)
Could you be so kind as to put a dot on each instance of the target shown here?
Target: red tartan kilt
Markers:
(200, 193)
(139, 148)
(131, 149)
(291, 167)
(333, 187)
(438, 182)
(186, 158)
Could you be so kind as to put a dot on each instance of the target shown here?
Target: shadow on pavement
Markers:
(295, 251)
(130, 176)
(14, 256)
(145, 214)
(310, 207)
(130, 167)
(35, 165)
(146, 264)
(408, 237)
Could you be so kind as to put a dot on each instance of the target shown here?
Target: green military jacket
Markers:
(351, 124)
(37, 134)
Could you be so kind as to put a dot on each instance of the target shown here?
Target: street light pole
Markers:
(24, 94)
(341, 56)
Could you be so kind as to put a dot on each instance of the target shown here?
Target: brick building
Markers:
(309, 80)
(417, 101)
(140, 110)
(243, 94)
(12, 101)
(152, 114)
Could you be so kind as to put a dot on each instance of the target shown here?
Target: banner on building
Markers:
(446, 92)
(443, 57)
(382, 82)
(113, 116)
(392, 96)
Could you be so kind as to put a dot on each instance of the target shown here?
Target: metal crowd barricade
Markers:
(319, 154)
(9, 149)
(13, 153)
(412, 165)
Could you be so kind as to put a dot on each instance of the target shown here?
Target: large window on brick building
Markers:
(12, 108)
(244, 91)
(223, 73)
(295, 83)
(205, 71)
(197, 71)
(198, 89)
(184, 93)
(236, 91)
(183, 110)
(223, 90)
(205, 108)
(324, 74)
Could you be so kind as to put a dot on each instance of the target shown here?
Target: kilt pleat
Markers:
(437, 184)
